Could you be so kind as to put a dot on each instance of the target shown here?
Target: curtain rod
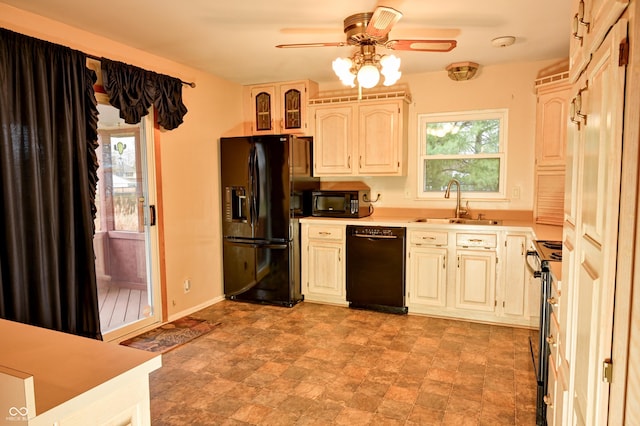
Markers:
(187, 83)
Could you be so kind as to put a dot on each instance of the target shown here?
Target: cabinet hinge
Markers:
(623, 57)
(607, 370)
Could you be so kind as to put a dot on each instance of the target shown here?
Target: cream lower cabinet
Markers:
(468, 275)
(323, 267)
(476, 272)
(472, 275)
(515, 289)
(427, 269)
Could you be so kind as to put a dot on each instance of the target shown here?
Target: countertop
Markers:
(513, 221)
(63, 365)
(541, 232)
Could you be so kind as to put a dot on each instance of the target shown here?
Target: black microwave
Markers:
(340, 203)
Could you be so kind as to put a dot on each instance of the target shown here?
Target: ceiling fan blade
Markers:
(296, 45)
(383, 19)
(422, 45)
(311, 30)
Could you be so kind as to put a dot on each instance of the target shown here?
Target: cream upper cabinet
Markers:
(380, 138)
(366, 138)
(333, 140)
(279, 108)
(552, 112)
(591, 22)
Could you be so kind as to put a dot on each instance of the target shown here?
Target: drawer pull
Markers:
(324, 233)
(551, 340)
(428, 238)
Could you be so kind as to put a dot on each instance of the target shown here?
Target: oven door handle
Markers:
(536, 272)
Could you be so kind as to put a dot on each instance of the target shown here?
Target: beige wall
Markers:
(189, 159)
(509, 86)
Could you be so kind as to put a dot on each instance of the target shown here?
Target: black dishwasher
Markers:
(375, 268)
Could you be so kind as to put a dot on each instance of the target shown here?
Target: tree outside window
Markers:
(465, 146)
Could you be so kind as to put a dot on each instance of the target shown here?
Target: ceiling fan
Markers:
(372, 29)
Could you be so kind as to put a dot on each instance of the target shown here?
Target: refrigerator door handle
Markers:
(256, 182)
(257, 243)
(252, 204)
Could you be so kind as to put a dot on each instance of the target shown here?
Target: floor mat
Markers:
(171, 335)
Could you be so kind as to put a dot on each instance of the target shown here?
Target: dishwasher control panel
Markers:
(375, 231)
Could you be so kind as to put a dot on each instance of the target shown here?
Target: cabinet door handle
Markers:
(444, 262)
(551, 340)
(340, 255)
(574, 32)
(547, 400)
(349, 161)
(552, 301)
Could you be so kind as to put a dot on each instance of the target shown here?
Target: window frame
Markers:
(501, 114)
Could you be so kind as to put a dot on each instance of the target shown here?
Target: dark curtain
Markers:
(133, 90)
(48, 165)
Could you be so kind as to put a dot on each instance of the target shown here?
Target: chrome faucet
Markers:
(447, 193)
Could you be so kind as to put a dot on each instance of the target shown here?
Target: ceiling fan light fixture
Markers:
(462, 71)
(366, 66)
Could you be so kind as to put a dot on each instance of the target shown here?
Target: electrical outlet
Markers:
(187, 285)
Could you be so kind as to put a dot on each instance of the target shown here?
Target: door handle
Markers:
(152, 215)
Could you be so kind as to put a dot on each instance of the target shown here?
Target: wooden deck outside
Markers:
(120, 306)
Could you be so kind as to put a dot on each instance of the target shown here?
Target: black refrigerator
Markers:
(266, 185)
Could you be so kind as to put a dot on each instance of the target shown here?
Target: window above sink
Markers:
(467, 146)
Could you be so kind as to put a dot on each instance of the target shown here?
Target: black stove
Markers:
(549, 250)
(546, 251)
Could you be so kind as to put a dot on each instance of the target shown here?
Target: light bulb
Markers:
(368, 76)
(341, 66)
(390, 62)
(391, 77)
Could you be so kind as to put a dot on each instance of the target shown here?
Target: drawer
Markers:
(476, 240)
(326, 232)
(429, 237)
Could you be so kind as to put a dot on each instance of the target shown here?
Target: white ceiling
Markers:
(235, 39)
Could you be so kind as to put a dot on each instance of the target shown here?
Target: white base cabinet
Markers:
(427, 269)
(323, 267)
(478, 276)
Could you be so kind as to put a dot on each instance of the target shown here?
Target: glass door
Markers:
(125, 241)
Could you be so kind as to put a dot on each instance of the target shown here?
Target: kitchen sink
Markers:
(461, 221)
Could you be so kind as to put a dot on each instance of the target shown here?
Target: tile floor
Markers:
(326, 365)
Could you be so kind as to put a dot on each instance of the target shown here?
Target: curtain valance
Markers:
(133, 90)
